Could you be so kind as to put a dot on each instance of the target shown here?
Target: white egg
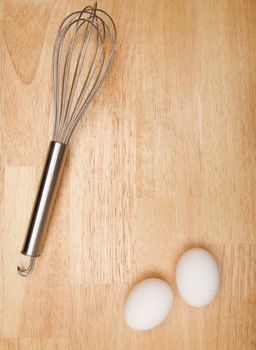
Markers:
(197, 277)
(148, 304)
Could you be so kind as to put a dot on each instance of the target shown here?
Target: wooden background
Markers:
(165, 160)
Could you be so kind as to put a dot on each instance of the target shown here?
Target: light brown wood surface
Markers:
(165, 160)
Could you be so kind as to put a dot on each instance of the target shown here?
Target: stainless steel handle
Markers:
(39, 220)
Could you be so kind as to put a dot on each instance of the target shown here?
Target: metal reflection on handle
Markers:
(39, 220)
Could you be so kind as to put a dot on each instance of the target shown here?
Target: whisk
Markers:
(82, 56)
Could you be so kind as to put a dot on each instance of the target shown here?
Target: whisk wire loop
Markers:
(72, 94)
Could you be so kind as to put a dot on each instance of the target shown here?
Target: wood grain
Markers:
(164, 161)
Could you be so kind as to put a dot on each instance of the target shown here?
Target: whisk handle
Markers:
(43, 205)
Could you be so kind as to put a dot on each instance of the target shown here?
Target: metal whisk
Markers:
(83, 53)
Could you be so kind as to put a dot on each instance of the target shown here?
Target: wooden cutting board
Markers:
(165, 160)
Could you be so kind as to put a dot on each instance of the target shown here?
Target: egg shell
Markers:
(148, 304)
(197, 277)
